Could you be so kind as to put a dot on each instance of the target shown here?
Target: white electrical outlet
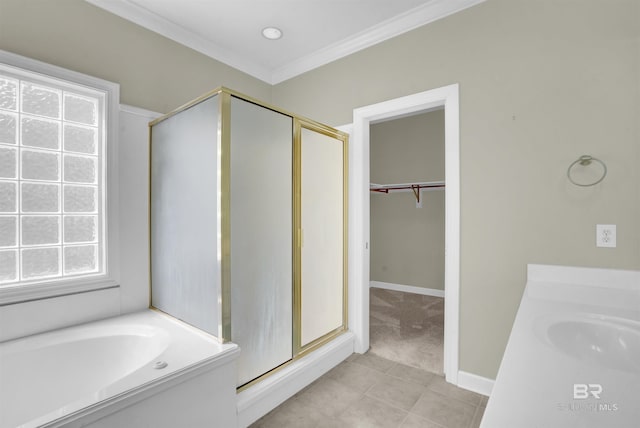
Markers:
(606, 235)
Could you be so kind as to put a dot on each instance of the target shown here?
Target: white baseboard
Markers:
(407, 288)
(260, 399)
(475, 383)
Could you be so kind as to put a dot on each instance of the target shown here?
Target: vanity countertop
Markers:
(573, 356)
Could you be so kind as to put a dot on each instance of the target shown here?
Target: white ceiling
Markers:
(316, 32)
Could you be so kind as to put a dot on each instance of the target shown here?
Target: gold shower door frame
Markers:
(298, 125)
(223, 220)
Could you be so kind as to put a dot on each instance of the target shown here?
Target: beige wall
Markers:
(153, 72)
(541, 83)
(407, 243)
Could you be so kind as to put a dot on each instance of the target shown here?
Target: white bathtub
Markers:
(90, 375)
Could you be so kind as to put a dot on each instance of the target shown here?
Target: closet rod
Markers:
(415, 187)
(407, 187)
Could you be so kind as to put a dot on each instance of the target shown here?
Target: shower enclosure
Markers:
(248, 219)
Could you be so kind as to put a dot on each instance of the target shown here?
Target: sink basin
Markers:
(597, 340)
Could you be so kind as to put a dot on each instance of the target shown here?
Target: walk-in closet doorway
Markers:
(359, 216)
(407, 225)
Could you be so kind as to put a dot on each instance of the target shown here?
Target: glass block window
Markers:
(52, 164)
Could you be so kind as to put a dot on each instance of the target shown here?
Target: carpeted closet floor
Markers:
(407, 328)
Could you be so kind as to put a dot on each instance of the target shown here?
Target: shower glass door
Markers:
(322, 237)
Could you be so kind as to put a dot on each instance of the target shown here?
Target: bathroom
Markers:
(540, 84)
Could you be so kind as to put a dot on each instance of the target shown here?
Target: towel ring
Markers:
(585, 160)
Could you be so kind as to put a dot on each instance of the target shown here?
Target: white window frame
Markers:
(28, 291)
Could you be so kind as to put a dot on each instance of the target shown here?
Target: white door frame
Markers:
(359, 215)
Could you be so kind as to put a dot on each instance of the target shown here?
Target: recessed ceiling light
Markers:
(272, 33)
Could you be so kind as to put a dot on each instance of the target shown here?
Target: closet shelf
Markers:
(404, 187)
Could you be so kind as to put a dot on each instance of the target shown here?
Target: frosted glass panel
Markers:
(38, 198)
(261, 241)
(184, 259)
(80, 259)
(8, 197)
(79, 109)
(8, 162)
(80, 169)
(8, 266)
(40, 165)
(79, 199)
(40, 133)
(40, 101)
(80, 139)
(40, 230)
(8, 94)
(8, 231)
(40, 262)
(322, 226)
(80, 228)
(8, 128)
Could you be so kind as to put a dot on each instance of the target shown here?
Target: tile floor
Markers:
(397, 384)
(368, 391)
(407, 328)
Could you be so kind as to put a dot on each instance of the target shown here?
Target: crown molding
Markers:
(414, 18)
(151, 21)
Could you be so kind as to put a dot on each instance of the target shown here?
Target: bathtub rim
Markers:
(94, 411)
(142, 392)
